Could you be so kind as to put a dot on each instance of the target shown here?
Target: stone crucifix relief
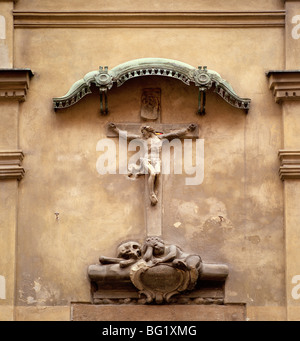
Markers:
(150, 139)
(150, 163)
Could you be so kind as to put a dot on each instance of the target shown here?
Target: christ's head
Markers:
(147, 131)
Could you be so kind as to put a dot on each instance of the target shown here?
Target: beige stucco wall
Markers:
(96, 212)
(6, 34)
(156, 5)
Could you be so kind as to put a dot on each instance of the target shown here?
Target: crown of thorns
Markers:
(148, 128)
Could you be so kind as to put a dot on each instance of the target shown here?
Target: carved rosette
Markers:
(104, 80)
(162, 281)
(202, 79)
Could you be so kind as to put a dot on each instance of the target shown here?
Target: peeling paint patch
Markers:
(44, 294)
(37, 286)
(253, 239)
(188, 212)
(2, 288)
(250, 299)
(30, 300)
(177, 224)
(218, 222)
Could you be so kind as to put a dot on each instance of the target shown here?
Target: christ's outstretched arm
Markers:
(178, 133)
(121, 133)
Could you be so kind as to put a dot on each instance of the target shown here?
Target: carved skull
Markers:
(129, 250)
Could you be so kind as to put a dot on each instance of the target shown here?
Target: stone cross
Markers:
(150, 165)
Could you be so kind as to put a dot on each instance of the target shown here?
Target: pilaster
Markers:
(285, 85)
(14, 84)
(6, 33)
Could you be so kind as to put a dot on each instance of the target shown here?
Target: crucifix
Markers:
(152, 135)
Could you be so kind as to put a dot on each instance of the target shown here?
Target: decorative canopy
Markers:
(104, 79)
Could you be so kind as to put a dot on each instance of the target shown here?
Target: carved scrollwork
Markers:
(105, 79)
(162, 281)
(159, 272)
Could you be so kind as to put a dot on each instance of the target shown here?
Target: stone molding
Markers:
(285, 85)
(212, 19)
(10, 165)
(14, 84)
(289, 164)
(104, 79)
(128, 312)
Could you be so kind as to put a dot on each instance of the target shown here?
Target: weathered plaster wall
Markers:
(156, 5)
(235, 216)
(6, 35)
(8, 211)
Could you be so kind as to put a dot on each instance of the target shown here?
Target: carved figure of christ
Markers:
(150, 163)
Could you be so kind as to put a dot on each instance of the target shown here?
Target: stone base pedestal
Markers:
(213, 312)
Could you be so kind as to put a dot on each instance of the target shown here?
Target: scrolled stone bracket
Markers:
(10, 165)
(289, 164)
(168, 281)
(285, 85)
(14, 84)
